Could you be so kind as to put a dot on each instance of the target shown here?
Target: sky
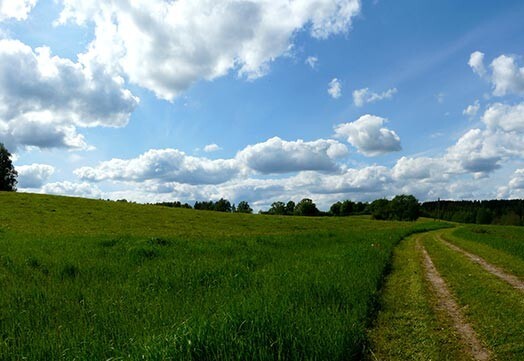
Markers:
(264, 100)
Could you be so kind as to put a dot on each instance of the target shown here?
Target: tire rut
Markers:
(447, 303)
(494, 270)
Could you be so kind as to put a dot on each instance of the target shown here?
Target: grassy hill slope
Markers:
(85, 279)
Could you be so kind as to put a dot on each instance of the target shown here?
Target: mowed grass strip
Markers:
(408, 326)
(494, 308)
(502, 246)
(89, 280)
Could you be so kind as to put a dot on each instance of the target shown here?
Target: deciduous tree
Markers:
(8, 173)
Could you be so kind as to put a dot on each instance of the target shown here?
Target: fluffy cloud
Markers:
(16, 9)
(515, 187)
(363, 96)
(66, 188)
(472, 109)
(476, 62)
(509, 118)
(279, 156)
(479, 152)
(476, 152)
(34, 175)
(166, 46)
(422, 168)
(312, 61)
(166, 165)
(170, 166)
(44, 98)
(517, 180)
(370, 179)
(506, 77)
(369, 135)
(335, 88)
(211, 148)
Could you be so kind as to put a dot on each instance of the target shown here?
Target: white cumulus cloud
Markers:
(280, 156)
(506, 117)
(517, 180)
(312, 61)
(67, 188)
(45, 98)
(421, 168)
(16, 9)
(369, 135)
(363, 96)
(472, 109)
(166, 46)
(335, 88)
(209, 148)
(506, 76)
(166, 165)
(476, 62)
(34, 175)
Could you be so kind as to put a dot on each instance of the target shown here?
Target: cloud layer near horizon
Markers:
(317, 168)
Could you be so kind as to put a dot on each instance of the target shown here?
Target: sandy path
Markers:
(447, 303)
(494, 270)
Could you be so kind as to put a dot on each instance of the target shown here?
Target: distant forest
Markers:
(404, 207)
(504, 212)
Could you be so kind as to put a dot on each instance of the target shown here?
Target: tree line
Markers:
(502, 212)
(401, 208)
(222, 205)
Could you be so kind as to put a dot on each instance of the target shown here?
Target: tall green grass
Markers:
(500, 245)
(509, 239)
(83, 279)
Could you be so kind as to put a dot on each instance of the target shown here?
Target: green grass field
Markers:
(90, 280)
(502, 246)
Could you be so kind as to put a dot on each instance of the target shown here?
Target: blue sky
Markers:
(264, 100)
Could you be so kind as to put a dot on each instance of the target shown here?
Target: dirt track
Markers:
(494, 270)
(447, 304)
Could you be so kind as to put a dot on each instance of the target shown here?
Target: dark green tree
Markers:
(223, 205)
(335, 209)
(484, 216)
(346, 208)
(243, 207)
(290, 208)
(8, 173)
(204, 206)
(277, 208)
(306, 207)
(380, 209)
(404, 208)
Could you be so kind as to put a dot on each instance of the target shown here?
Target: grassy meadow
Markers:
(500, 245)
(85, 279)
